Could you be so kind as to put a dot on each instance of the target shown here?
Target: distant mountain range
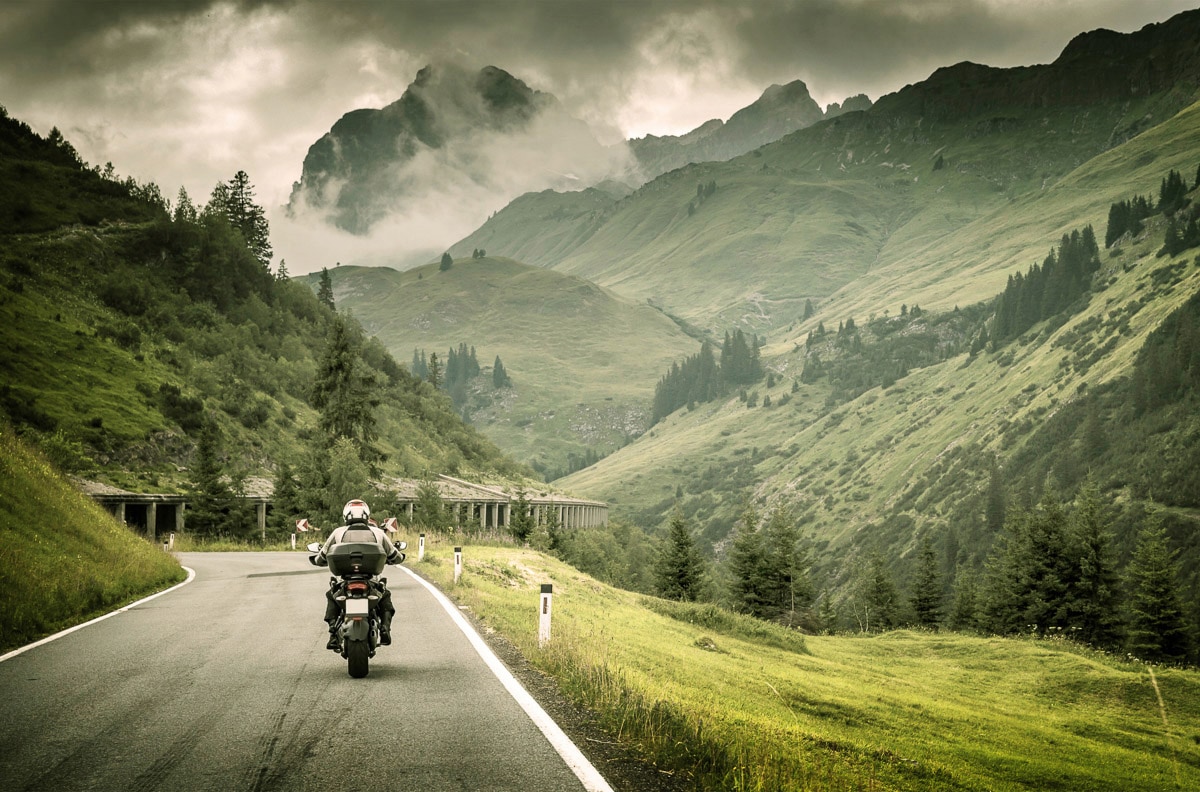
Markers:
(453, 126)
(781, 109)
(934, 196)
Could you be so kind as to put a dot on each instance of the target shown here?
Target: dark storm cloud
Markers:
(187, 92)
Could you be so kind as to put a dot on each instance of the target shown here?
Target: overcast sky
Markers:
(187, 92)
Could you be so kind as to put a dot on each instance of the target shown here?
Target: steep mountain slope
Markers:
(583, 361)
(913, 458)
(805, 216)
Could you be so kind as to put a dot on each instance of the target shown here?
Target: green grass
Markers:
(583, 361)
(848, 469)
(63, 559)
(736, 709)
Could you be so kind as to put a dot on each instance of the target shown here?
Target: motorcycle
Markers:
(355, 562)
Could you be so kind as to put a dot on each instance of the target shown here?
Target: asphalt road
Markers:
(225, 684)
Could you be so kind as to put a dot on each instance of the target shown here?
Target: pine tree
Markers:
(964, 611)
(809, 310)
(1098, 590)
(880, 598)
(786, 588)
(500, 378)
(679, 573)
(747, 561)
(430, 509)
(435, 371)
(521, 520)
(345, 392)
(325, 289)
(926, 596)
(210, 498)
(248, 218)
(285, 501)
(1157, 630)
(447, 262)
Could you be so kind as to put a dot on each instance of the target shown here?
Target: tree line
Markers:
(455, 372)
(1047, 290)
(701, 378)
(1053, 572)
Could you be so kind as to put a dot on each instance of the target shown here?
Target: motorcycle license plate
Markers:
(356, 607)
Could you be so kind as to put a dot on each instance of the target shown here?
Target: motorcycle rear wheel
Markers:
(357, 654)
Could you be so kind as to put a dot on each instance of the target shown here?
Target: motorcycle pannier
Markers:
(356, 558)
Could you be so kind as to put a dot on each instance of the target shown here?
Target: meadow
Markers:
(735, 704)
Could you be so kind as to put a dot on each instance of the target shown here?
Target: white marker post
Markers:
(421, 548)
(457, 564)
(171, 541)
(544, 615)
(293, 541)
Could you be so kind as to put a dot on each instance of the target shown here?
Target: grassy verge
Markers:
(63, 559)
(739, 706)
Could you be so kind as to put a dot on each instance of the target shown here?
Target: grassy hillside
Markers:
(583, 361)
(63, 559)
(912, 459)
(747, 706)
(120, 340)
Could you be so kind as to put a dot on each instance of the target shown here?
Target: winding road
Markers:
(225, 684)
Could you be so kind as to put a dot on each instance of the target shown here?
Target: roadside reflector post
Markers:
(457, 564)
(293, 541)
(171, 541)
(421, 548)
(544, 615)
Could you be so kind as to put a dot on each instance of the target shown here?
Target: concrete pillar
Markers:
(261, 508)
(179, 517)
(458, 513)
(409, 508)
(119, 512)
(151, 510)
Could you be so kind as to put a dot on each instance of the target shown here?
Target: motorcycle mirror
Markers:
(401, 545)
(314, 547)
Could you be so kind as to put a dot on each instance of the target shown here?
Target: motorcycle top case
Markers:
(349, 557)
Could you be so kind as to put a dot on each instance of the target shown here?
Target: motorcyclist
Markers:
(357, 516)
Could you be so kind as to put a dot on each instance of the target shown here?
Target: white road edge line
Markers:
(570, 753)
(191, 576)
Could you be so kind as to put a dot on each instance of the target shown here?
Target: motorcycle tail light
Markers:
(357, 587)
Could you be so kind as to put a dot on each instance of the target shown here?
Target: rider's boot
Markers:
(335, 640)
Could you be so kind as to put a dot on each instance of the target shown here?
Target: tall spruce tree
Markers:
(926, 598)
(500, 378)
(325, 289)
(787, 590)
(1157, 629)
(679, 572)
(1098, 591)
(210, 498)
(747, 562)
(345, 392)
(880, 599)
(521, 522)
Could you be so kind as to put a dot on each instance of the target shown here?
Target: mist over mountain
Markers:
(413, 176)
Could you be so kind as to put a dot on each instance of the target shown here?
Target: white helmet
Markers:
(356, 511)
